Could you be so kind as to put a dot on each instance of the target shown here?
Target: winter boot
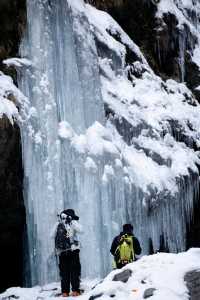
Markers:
(65, 294)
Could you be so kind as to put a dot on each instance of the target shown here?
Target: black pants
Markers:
(70, 271)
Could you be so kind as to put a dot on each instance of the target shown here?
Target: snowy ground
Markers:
(163, 272)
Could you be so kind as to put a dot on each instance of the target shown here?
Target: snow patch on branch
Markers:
(17, 62)
(9, 91)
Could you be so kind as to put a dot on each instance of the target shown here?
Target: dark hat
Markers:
(127, 228)
(71, 213)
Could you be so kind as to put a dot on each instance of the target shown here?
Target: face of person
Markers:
(65, 219)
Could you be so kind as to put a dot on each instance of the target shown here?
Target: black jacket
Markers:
(115, 243)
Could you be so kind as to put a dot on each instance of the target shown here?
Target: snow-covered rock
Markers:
(159, 277)
(10, 98)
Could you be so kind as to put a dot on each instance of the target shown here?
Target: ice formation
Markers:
(133, 164)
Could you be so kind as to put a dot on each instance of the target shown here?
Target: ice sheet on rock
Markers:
(186, 13)
(180, 9)
(105, 27)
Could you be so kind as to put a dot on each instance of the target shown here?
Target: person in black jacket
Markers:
(127, 230)
(68, 248)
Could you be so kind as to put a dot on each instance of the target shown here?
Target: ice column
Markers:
(61, 85)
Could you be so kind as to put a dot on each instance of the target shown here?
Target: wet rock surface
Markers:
(123, 276)
(193, 283)
(148, 293)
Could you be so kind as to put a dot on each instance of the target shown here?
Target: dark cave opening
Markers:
(193, 228)
(12, 212)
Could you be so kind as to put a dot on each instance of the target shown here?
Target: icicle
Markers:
(182, 49)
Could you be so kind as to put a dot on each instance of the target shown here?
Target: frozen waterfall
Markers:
(63, 85)
(74, 158)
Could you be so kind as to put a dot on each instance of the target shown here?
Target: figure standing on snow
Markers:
(125, 246)
(68, 248)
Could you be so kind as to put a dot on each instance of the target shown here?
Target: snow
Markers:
(7, 90)
(17, 62)
(162, 271)
(150, 100)
(65, 131)
(90, 164)
(179, 9)
(142, 169)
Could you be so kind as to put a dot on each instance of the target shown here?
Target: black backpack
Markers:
(62, 242)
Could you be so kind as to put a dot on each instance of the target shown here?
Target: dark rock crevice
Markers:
(193, 228)
(12, 212)
(12, 24)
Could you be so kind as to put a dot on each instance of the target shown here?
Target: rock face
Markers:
(12, 217)
(12, 23)
(193, 283)
(11, 205)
